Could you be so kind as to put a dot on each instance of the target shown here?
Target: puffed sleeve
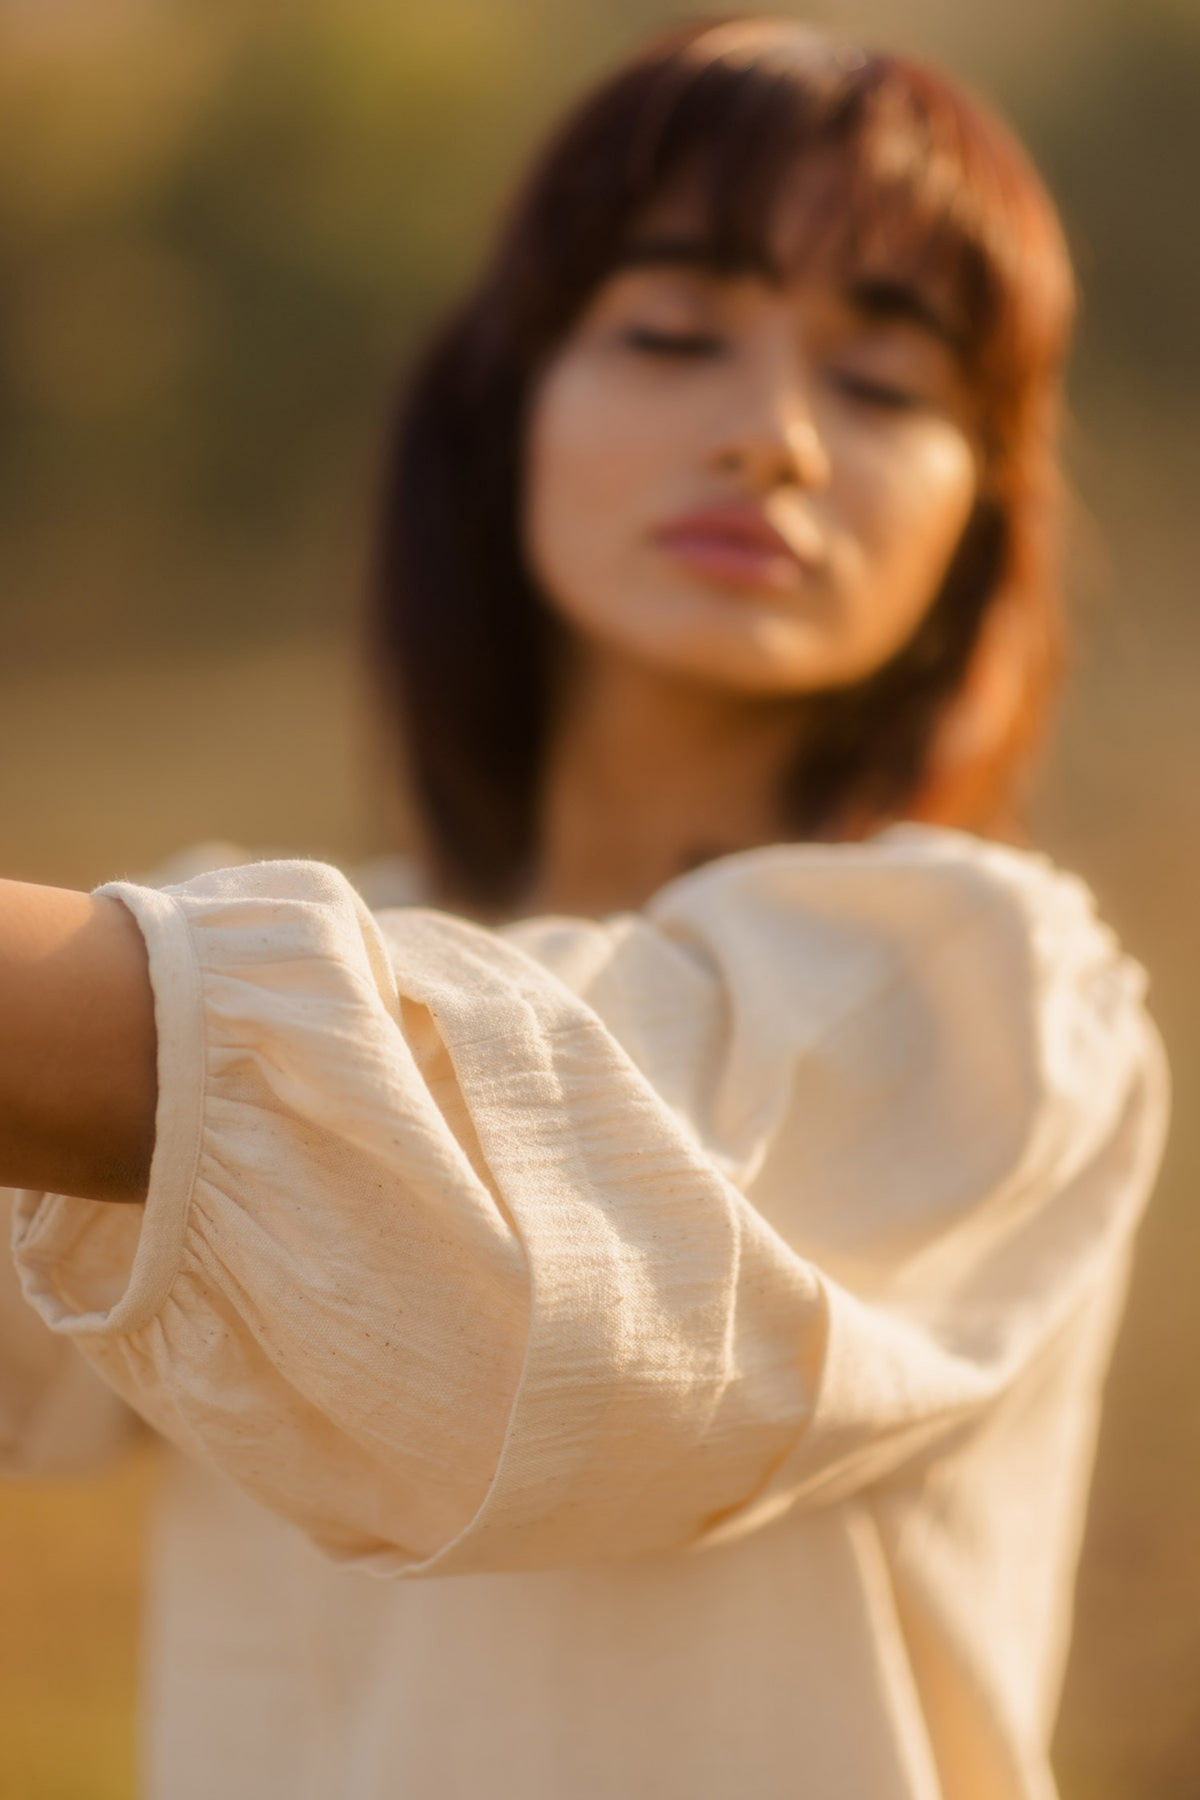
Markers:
(475, 1250)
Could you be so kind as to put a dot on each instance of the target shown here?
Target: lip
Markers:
(736, 546)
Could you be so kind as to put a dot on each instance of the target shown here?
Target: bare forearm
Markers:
(77, 1045)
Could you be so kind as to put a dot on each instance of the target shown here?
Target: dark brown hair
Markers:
(907, 166)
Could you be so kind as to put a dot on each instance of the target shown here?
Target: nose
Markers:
(773, 439)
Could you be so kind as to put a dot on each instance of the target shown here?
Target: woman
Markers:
(702, 1231)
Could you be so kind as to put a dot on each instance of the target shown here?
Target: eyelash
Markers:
(876, 393)
(672, 343)
(685, 344)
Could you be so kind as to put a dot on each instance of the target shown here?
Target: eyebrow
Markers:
(689, 253)
(881, 299)
(877, 297)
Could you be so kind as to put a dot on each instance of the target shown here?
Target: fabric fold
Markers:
(478, 1250)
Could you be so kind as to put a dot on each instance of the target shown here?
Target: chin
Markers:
(749, 643)
(747, 658)
(736, 643)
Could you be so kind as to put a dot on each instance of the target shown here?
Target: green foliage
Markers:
(217, 238)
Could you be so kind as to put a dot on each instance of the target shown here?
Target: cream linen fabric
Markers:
(720, 1293)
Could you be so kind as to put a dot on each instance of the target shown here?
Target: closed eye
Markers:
(878, 393)
(672, 343)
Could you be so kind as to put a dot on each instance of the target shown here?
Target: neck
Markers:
(650, 774)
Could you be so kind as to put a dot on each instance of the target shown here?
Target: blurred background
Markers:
(221, 229)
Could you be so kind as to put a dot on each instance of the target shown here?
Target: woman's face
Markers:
(753, 483)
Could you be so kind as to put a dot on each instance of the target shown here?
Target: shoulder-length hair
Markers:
(912, 169)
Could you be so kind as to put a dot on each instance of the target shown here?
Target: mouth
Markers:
(737, 546)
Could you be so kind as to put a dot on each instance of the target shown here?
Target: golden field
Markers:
(216, 256)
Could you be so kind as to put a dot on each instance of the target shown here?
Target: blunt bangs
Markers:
(861, 164)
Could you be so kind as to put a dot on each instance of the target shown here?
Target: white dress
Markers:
(649, 1357)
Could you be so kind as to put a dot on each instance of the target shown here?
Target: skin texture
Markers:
(77, 1045)
(680, 387)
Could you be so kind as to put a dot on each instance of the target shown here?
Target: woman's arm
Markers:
(463, 1264)
(77, 1045)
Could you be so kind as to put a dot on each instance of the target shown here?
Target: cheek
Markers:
(589, 451)
(910, 500)
(906, 508)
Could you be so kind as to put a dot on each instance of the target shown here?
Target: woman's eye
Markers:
(672, 343)
(878, 393)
